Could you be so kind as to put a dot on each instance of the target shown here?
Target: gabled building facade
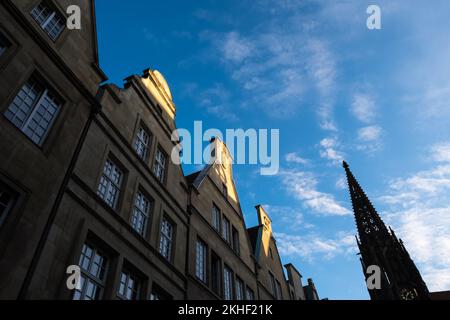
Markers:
(87, 181)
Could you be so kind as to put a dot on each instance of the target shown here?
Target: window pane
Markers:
(129, 286)
(50, 20)
(200, 266)
(160, 165)
(110, 183)
(93, 271)
(23, 104)
(142, 144)
(165, 244)
(140, 214)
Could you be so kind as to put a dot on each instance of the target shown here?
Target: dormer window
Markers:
(49, 19)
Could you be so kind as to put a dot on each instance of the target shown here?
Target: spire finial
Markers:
(345, 164)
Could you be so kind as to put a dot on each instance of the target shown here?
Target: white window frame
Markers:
(110, 184)
(87, 277)
(42, 93)
(226, 225)
(124, 288)
(55, 14)
(227, 283)
(166, 238)
(142, 143)
(141, 212)
(160, 167)
(201, 251)
(240, 289)
(249, 294)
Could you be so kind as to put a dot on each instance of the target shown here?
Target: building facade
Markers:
(86, 179)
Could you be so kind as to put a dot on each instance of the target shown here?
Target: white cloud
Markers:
(341, 183)
(293, 157)
(363, 107)
(312, 246)
(441, 152)
(236, 48)
(419, 210)
(287, 216)
(303, 186)
(329, 150)
(370, 133)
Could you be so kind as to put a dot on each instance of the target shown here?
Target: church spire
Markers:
(399, 278)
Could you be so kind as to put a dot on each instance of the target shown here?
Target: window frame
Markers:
(170, 240)
(216, 223)
(228, 295)
(216, 273)
(119, 186)
(156, 163)
(45, 93)
(201, 274)
(235, 242)
(147, 214)
(55, 12)
(137, 285)
(226, 229)
(99, 282)
(138, 141)
(239, 294)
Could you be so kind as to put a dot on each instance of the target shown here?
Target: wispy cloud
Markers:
(328, 150)
(363, 107)
(293, 157)
(303, 186)
(313, 247)
(419, 208)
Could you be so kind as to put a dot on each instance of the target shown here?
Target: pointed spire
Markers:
(368, 221)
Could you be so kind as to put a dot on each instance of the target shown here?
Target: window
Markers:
(50, 20)
(110, 182)
(239, 289)
(227, 283)
(93, 264)
(159, 294)
(226, 229)
(141, 211)
(7, 200)
(34, 110)
(272, 285)
(142, 144)
(165, 243)
(279, 294)
(200, 260)
(224, 190)
(216, 218)
(271, 253)
(129, 286)
(215, 273)
(4, 44)
(249, 294)
(160, 165)
(235, 239)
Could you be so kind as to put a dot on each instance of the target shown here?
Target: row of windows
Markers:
(223, 226)
(109, 190)
(276, 287)
(231, 289)
(95, 265)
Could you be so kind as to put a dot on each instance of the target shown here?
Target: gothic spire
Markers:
(399, 276)
(368, 221)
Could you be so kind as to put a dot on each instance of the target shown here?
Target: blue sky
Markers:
(336, 90)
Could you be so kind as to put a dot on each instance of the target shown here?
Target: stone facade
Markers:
(86, 180)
